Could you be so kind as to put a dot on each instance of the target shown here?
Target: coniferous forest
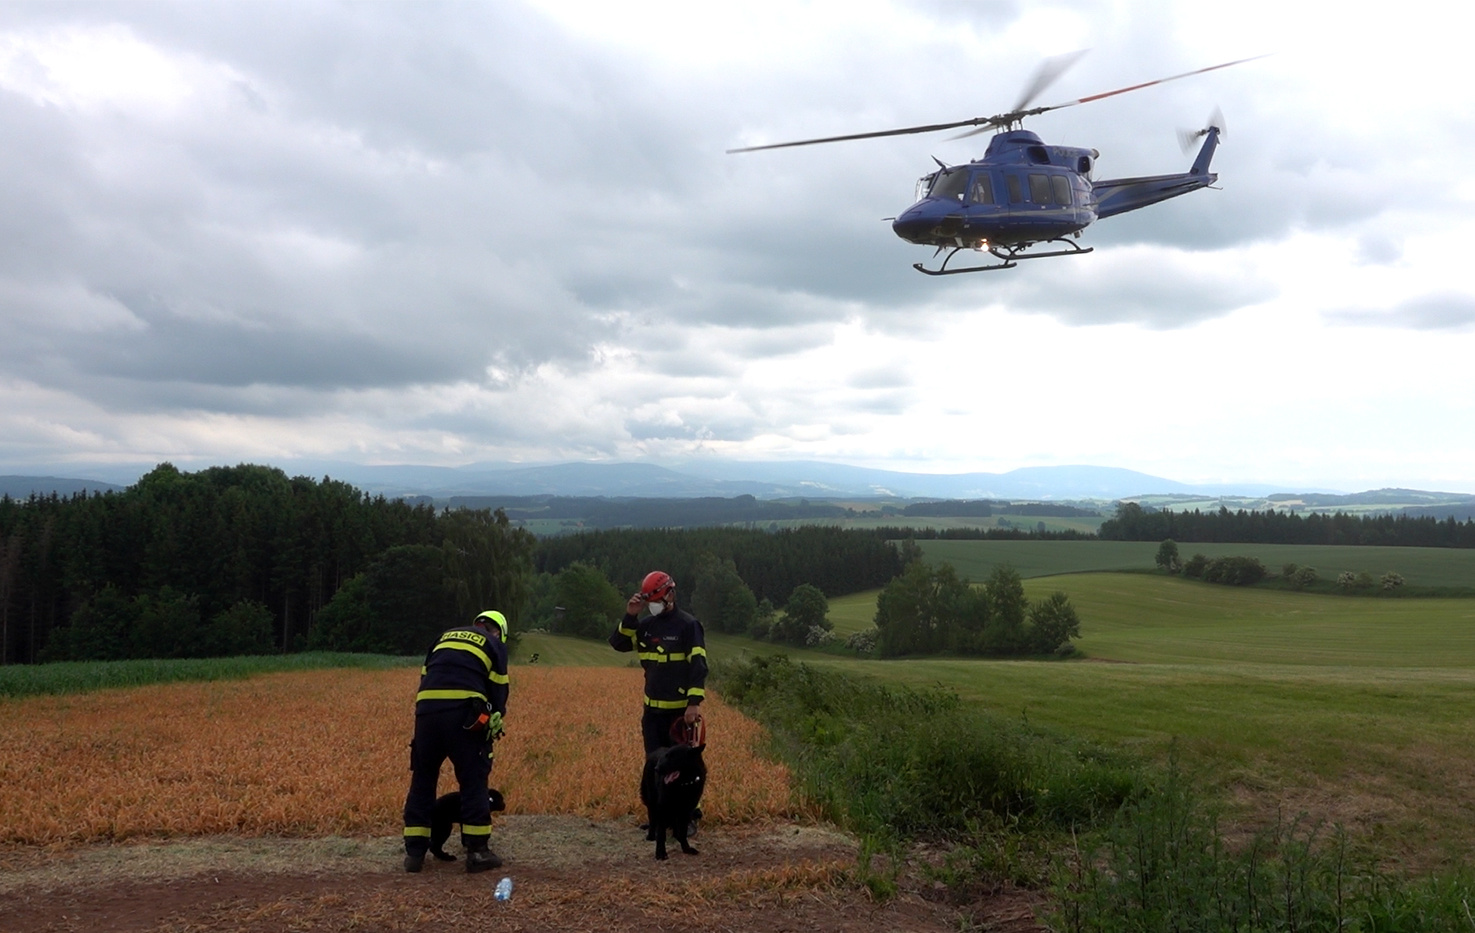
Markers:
(245, 560)
(240, 560)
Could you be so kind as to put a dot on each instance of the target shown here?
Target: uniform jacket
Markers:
(464, 663)
(673, 651)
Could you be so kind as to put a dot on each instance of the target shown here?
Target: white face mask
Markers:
(656, 608)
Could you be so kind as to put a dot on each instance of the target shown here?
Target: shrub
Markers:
(1195, 566)
(1303, 577)
(863, 642)
(1392, 581)
(1234, 571)
(807, 608)
(1167, 556)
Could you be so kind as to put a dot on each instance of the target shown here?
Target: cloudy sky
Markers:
(450, 233)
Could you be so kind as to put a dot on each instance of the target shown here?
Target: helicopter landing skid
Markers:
(1010, 257)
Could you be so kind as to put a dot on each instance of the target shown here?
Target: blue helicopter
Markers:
(1025, 199)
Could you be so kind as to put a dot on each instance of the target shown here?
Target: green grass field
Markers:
(1085, 525)
(1420, 566)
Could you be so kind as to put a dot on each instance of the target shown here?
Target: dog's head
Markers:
(680, 766)
(498, 804)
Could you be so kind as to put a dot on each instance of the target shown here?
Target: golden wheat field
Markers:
(326, 753)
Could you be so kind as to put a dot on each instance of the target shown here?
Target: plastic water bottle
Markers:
(504, 890)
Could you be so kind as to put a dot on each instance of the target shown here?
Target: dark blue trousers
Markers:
(440, 735)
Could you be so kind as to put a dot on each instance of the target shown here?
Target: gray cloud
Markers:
(1447, 311)
(473, 225)
(1160, 291)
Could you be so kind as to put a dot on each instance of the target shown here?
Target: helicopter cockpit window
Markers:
(1039, 189)
(950, 185)
(924, 184)
(1061, 186)
(982, 191)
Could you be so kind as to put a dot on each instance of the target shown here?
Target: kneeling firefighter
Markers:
(458, 715)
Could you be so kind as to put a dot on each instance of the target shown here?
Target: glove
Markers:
(494, 727)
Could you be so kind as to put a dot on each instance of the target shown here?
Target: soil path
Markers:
(570, 876)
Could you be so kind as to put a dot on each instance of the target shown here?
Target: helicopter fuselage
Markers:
(1023, 191)
(1020, 191)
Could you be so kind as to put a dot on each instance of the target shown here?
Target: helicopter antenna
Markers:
(1044, 76)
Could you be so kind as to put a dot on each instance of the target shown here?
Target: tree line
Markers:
(242, 559)
(235, 560)
(1134, 523)
(772, 564)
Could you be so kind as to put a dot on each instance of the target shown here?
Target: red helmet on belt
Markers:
(656, 586)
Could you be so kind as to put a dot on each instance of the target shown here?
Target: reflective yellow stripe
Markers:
(627, 632)
(496, 678)
(661, 658)
(665, 704)
(417, 831)
(475, 830)
(696, 692)
(448, 695)
(698, 650)
(461, 646)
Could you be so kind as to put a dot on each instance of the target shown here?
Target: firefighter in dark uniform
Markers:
(458, 714)
(672, 650)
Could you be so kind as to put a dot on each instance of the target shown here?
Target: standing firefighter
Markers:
(673, 652)
(458, 714)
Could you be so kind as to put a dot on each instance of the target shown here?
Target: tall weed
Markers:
(1163, 864)
(901, 763)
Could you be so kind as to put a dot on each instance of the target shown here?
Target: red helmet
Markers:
(656, 586)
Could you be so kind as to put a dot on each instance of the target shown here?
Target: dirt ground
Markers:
(569, 874)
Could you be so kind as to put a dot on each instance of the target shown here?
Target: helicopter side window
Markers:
(983, 189)
(950, 185)
(1039, 189)
(1061, 185)
(1016, 196)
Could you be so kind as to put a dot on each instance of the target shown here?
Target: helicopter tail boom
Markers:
(1120, 195)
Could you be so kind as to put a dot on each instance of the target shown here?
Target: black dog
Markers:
(447, 812)
(671, 788)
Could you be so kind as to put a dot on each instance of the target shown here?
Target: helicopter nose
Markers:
(914, 224)
(925, 222)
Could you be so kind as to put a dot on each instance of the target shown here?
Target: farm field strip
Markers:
(326, 753)
(1421, 566)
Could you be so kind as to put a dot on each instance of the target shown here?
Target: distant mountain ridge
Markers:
(697, 478)
(21, 487)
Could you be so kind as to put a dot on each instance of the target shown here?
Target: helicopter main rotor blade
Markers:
(1138, 87)
(1049, 71)
(1043, 77)
(1017, 114)
(903, 131)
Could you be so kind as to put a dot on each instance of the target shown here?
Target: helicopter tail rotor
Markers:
(1187, 138)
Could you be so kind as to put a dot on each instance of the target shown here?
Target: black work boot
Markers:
(481, 860)
(414, 861)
